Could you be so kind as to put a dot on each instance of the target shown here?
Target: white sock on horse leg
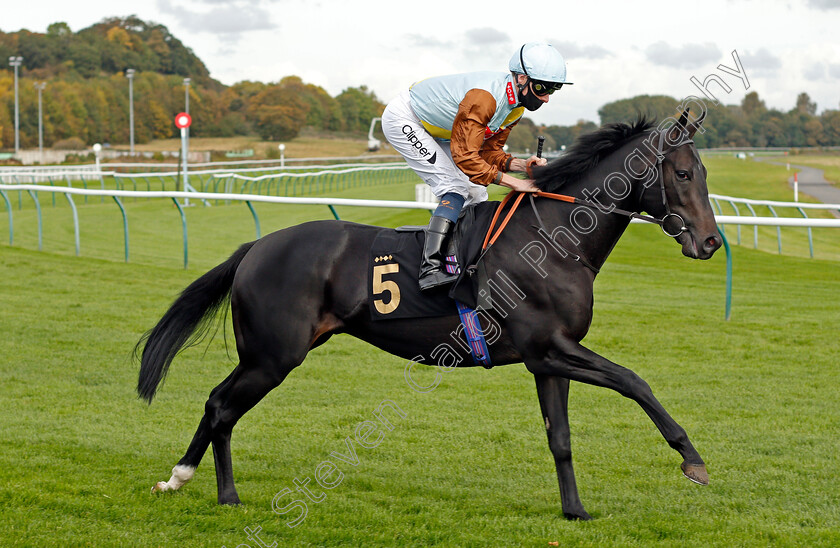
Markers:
(180, 475)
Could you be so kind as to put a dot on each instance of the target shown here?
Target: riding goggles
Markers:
(545, 88)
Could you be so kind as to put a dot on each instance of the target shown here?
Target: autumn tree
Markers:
(276, 114)
(87, 97)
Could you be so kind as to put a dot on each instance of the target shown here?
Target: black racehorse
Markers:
(543, 265)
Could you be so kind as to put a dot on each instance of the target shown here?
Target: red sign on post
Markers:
(183, 120)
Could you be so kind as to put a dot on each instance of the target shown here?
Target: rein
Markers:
(491, 237)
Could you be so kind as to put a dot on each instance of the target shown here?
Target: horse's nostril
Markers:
(712, 242)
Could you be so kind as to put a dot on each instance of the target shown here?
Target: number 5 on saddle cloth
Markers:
(393, 290)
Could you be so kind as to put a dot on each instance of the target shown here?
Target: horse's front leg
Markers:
(569, 359)
(554, 405)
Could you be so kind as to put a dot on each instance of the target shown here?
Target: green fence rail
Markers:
(69, 192)
(248, 199)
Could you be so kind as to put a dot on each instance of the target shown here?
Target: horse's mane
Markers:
(586, 152)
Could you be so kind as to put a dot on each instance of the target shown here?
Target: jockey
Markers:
(452, 130)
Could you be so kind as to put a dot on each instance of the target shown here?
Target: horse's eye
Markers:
(682, 175)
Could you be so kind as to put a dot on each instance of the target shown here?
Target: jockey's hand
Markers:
(519, 185)
(534, 161)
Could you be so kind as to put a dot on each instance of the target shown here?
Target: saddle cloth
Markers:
(394, 266)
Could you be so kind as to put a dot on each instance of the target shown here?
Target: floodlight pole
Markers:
(40, 87)
(187, 106)
(129, 73)
(15, 61)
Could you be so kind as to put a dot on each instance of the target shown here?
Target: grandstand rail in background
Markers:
(43, 174)
(128, 167)
(287, 181)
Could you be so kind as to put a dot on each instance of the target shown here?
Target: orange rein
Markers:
(490, 240)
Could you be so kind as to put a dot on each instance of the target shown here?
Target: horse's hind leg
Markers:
(554, 401)
(246, 388)
(231, 399)
(185, 469)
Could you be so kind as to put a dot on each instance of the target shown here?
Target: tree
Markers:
(60, 29)
(831, 126)
(277, 115)
(814, 135)
(359, 106)
(752, 105)
(85, 57)
(324, 111)
(36, 51)
(795, 128)
(774, 129)
(565, 136)
(524, 136)
(804, 105)
(118, 36)
(627, 110)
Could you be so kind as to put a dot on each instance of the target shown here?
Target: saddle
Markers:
(394, 266)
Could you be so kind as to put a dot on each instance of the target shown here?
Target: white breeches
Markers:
(429, 158)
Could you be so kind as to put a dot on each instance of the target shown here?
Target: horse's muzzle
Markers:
(695, 248)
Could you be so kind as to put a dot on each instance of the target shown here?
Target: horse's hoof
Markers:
(229, 499)
(696, 473)
(160, 487)
(579, 515)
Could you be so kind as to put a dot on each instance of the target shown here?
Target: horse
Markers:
(550, 253)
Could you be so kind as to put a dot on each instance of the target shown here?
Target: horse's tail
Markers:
(185, 323)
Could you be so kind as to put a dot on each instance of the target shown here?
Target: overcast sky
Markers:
(614, 50)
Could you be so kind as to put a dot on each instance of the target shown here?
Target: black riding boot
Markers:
(432, 268)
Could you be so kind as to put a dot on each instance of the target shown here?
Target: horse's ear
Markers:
(676, 134)
(683, 121)
(692, 129)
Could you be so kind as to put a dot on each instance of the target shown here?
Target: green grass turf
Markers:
(469, 465)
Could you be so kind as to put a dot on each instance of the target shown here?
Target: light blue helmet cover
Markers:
(542, 62)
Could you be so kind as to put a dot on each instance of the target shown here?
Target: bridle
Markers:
(660, 158)
(491, 237)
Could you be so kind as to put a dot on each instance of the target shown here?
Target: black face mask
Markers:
(529, 101)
